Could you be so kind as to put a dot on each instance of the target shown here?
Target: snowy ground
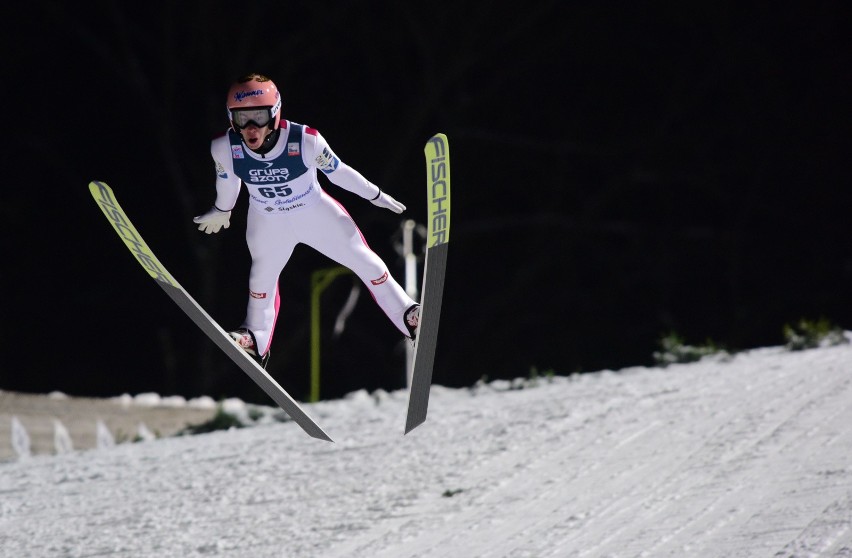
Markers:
(719, 459)
(56, 423)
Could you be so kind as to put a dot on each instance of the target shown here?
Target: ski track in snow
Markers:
(742, 458)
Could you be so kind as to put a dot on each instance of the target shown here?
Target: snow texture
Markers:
(746, 457)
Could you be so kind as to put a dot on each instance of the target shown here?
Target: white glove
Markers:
(213, 220)
(384, 200)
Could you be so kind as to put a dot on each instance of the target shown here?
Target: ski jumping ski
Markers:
(437, 152)
(105, 198)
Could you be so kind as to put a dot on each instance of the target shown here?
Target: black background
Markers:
(619, 171)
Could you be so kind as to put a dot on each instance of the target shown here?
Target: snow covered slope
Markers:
(751, 457)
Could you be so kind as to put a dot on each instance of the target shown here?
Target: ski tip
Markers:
(100, 190)
(95, 185)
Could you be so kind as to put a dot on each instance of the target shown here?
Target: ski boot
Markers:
(245, 339)
(412, 320)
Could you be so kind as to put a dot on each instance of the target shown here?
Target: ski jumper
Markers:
(287, 206)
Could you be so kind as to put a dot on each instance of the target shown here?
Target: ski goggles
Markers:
(260, 117)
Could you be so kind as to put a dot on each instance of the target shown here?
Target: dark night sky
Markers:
(618, 173)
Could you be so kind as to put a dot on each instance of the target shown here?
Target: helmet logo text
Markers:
(240, 95)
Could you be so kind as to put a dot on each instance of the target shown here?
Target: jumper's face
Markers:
(254, 124)
(254, 136)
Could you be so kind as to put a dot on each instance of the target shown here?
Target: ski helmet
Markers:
(254, 98)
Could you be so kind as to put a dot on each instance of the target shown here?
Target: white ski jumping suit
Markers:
(287, 206)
